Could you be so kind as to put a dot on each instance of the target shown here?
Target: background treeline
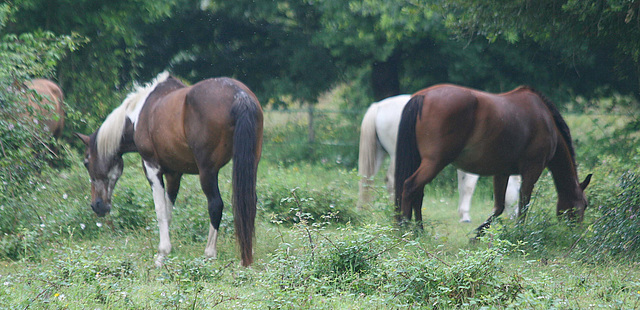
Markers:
(292, 51)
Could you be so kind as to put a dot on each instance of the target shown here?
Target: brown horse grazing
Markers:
(52, 96)
(179, 129)
(518, 132)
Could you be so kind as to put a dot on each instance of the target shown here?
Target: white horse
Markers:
(378, 134)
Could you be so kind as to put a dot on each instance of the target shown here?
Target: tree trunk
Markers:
(385, 80)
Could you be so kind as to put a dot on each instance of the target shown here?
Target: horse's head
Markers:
(575, 207)
(104, 173)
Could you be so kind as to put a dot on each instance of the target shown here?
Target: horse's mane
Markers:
(110, 132)
(560, 123)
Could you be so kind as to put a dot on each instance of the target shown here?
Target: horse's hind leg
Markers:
(511, 196)
(209, 183)
(391, 177)
(369, 171)
(173, 185)
(413, 190)
(466, 186)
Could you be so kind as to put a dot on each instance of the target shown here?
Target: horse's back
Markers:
(387, 120)
(485, 133)
(209, 120)
(52, 95)
(182, 127)
(445, 121)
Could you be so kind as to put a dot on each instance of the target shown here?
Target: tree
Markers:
(374, 33)
(263, 43)
(582, 30)
(109, 59)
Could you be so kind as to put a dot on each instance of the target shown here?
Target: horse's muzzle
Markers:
(100, 208)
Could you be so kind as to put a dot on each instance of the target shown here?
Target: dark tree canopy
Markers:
(291, 51)
(600, 38)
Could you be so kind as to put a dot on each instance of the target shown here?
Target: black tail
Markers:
(247, 139)
(407, 155)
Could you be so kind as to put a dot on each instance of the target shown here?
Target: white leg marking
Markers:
(163, 212)
(210, 251)
(512, 195)
(391, 177)
(466, 187)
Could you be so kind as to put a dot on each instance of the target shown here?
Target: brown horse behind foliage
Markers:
(518, 132)
(181, 129)
(49, 105)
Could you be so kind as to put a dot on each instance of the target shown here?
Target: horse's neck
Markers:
(127, 144)
(563, 170)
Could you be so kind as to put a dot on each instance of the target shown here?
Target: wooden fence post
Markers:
(312, 132)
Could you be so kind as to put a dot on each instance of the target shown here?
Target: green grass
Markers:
(111, 267)
(56, 254)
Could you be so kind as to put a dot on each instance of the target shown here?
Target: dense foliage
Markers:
(600, 35)
(25, 147)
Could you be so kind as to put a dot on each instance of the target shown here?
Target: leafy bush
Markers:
(20, 245)
(284, 205)
(24, 147)
(616, 231)
(376, 261)
(474, 279)
(133, 208)
(542, 235)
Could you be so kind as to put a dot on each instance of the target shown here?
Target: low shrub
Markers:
(284, 205)
(133, 208)
(542, 235)
(21, 245)
(616, 230)
(377, 261)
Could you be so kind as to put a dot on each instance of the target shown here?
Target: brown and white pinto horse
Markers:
(518, 132)
(49, 105)
(181, 129)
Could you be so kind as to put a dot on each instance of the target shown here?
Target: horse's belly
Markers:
(178, 159)
(487, 164)
(180, 166)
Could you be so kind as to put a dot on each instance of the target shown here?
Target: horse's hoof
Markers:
(465, 221)
(211, 254)
(159, 261)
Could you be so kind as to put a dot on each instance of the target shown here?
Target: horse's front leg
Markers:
(499, 189)
(163, 206)
(529, 179)
(209, 183)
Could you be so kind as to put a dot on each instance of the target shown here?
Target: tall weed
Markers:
(616, 230)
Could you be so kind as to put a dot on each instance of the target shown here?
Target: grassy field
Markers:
(313, 250)
(91, 263)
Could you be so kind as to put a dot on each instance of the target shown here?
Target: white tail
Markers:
(369, 153)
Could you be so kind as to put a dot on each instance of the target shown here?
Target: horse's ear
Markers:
(586, 181)
(84, 138)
